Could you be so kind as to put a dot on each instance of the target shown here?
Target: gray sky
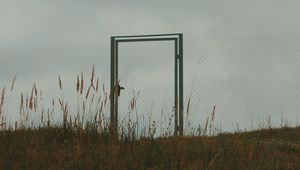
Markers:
(241, 55)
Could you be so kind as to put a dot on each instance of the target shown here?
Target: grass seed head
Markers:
(77, 84)
(35, 89)
(206, 124)
(21, 103)
(59, 82)
(213, 114)
(88, 92)
(81, 84)
(2, 100)
(188, 106)
(13, 83)
(97, 85)
(93, 76)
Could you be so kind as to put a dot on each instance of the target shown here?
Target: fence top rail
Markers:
(146, 39)
(151, 35)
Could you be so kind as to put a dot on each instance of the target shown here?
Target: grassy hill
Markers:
(59, 148)
(76, 143)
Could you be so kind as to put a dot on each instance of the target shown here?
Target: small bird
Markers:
(118, 88)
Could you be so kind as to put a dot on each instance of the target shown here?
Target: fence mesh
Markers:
(251, 81)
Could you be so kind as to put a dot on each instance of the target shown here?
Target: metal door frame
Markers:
(178, 73)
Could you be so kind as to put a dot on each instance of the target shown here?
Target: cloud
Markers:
(241, 55)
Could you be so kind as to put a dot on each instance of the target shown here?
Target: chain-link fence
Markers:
(230, 83)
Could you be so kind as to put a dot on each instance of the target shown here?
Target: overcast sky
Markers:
(243, 56)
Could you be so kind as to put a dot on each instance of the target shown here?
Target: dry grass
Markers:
(81, 84)
(84, 140)
(2, 100)
(59, 82)
(13, 83)
(58, 148)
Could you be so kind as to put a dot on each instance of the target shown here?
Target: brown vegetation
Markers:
(80, 143)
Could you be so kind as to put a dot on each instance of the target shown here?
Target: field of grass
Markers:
(83, 139)
(59, 148)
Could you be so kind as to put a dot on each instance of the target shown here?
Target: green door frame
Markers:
(178, 73)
